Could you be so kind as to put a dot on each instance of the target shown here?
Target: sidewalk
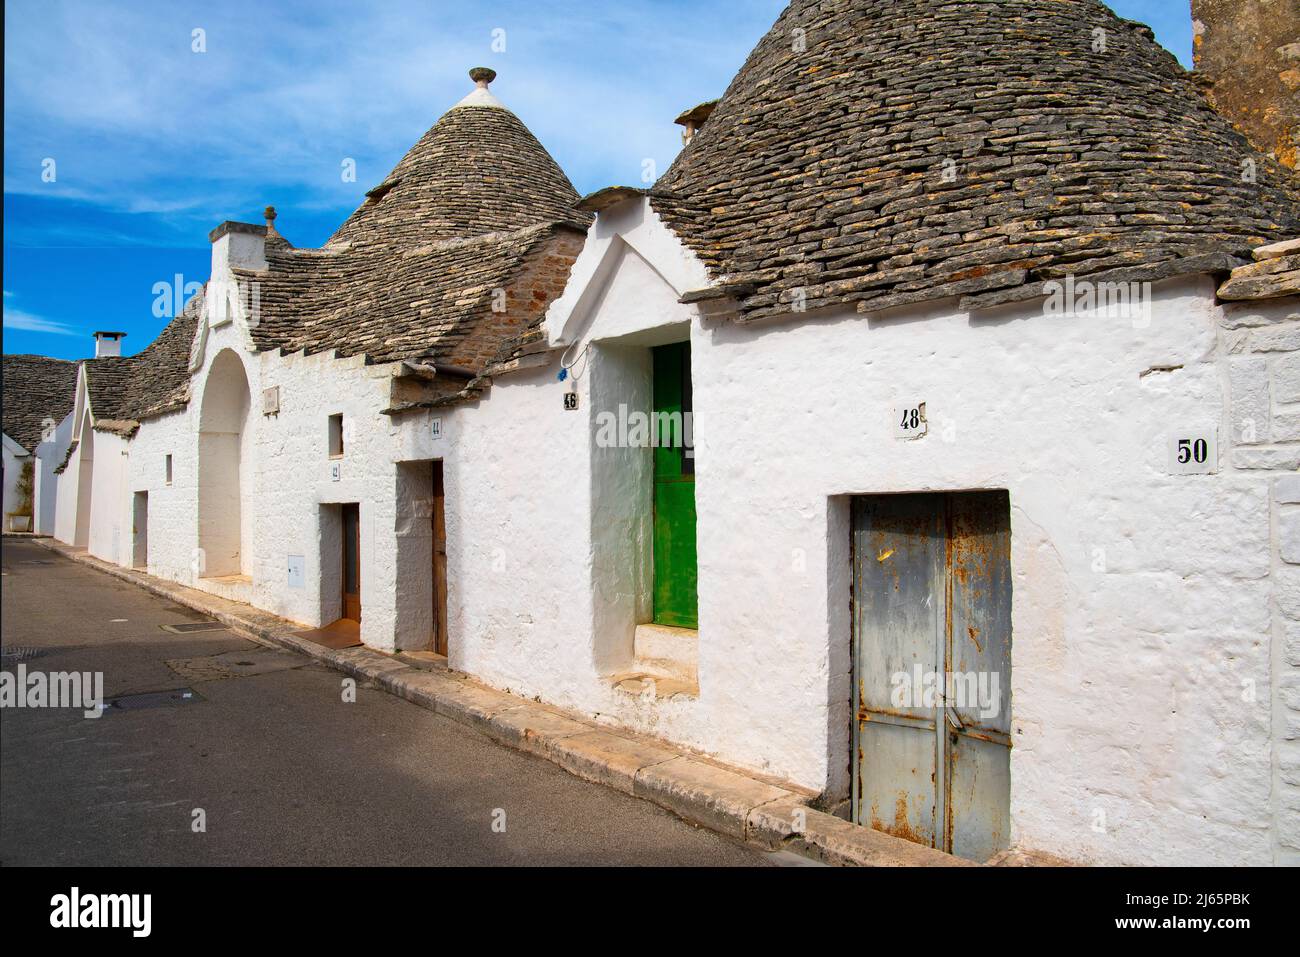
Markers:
(695, 788)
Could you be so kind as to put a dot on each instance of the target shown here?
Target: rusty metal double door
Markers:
(932, 669)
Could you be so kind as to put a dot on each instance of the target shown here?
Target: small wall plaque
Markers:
(297, 571)
(336, 471)
(435, 428)
(1194, 452)
(570, 401)
(271, 400)
(910, 421)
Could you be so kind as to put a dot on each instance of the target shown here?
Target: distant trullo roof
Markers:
(886, 152)
(407, 275)
(478, 170)
(36, 390)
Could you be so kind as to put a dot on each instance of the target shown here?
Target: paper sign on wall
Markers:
(297, 567)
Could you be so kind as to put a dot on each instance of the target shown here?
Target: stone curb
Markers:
(696, 789)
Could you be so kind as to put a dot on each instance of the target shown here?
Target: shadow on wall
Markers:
(223, 455)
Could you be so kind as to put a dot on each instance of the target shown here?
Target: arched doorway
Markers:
(224, 462)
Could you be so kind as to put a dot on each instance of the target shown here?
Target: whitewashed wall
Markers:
(173, 525)
(14, 456)
(285, 479)
(110, 516)
(68, 502)
(294, 480)
(1154, 663)
(518, 555)
(1141, 599)
(50, 454)
(1262, 345)
(1144, 601)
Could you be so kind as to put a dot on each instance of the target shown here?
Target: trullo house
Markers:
(972, 329)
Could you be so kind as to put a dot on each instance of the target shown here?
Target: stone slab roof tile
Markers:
(153, 382)
(1270, 278)
(478, 170)
(410, 272)
(35, 389)
(883, 152)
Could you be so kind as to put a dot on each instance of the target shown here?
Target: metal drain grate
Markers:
(20, 654)
(153, 699)
(193, 626)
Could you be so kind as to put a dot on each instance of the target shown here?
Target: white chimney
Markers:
(238, 244)
(108, 344)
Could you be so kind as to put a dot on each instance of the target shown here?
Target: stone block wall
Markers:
(1263, 345)
(1249, 53)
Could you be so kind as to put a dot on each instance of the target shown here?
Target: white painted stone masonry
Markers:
(1154, 667)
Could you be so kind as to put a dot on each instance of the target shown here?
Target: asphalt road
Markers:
(283, 770)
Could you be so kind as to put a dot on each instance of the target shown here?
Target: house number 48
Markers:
(910, 421)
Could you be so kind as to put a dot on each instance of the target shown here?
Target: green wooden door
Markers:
(674, 491)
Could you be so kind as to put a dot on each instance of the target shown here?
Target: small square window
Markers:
(336, 436)
(168, 469)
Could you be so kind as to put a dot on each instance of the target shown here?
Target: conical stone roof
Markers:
(413, 273)
(887, 152)
(478, 170)
(34, 389)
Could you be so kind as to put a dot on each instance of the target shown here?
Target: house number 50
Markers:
(1193, 452)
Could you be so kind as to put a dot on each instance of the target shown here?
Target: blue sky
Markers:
(154, 144)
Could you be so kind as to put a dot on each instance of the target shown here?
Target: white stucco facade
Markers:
(14, 457)
(1152, 670)
(1154, 653)
(46, 456)
(49, 456)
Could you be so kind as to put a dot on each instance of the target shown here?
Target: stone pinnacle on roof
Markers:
(481, 95)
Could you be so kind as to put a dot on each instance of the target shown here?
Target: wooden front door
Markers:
(352, 562)
(140, 531)
(438, 517)
(675, 597)
(932, 669)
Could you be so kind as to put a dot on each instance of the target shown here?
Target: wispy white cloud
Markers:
(18, 320)
(22, 321)
(138, 122)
